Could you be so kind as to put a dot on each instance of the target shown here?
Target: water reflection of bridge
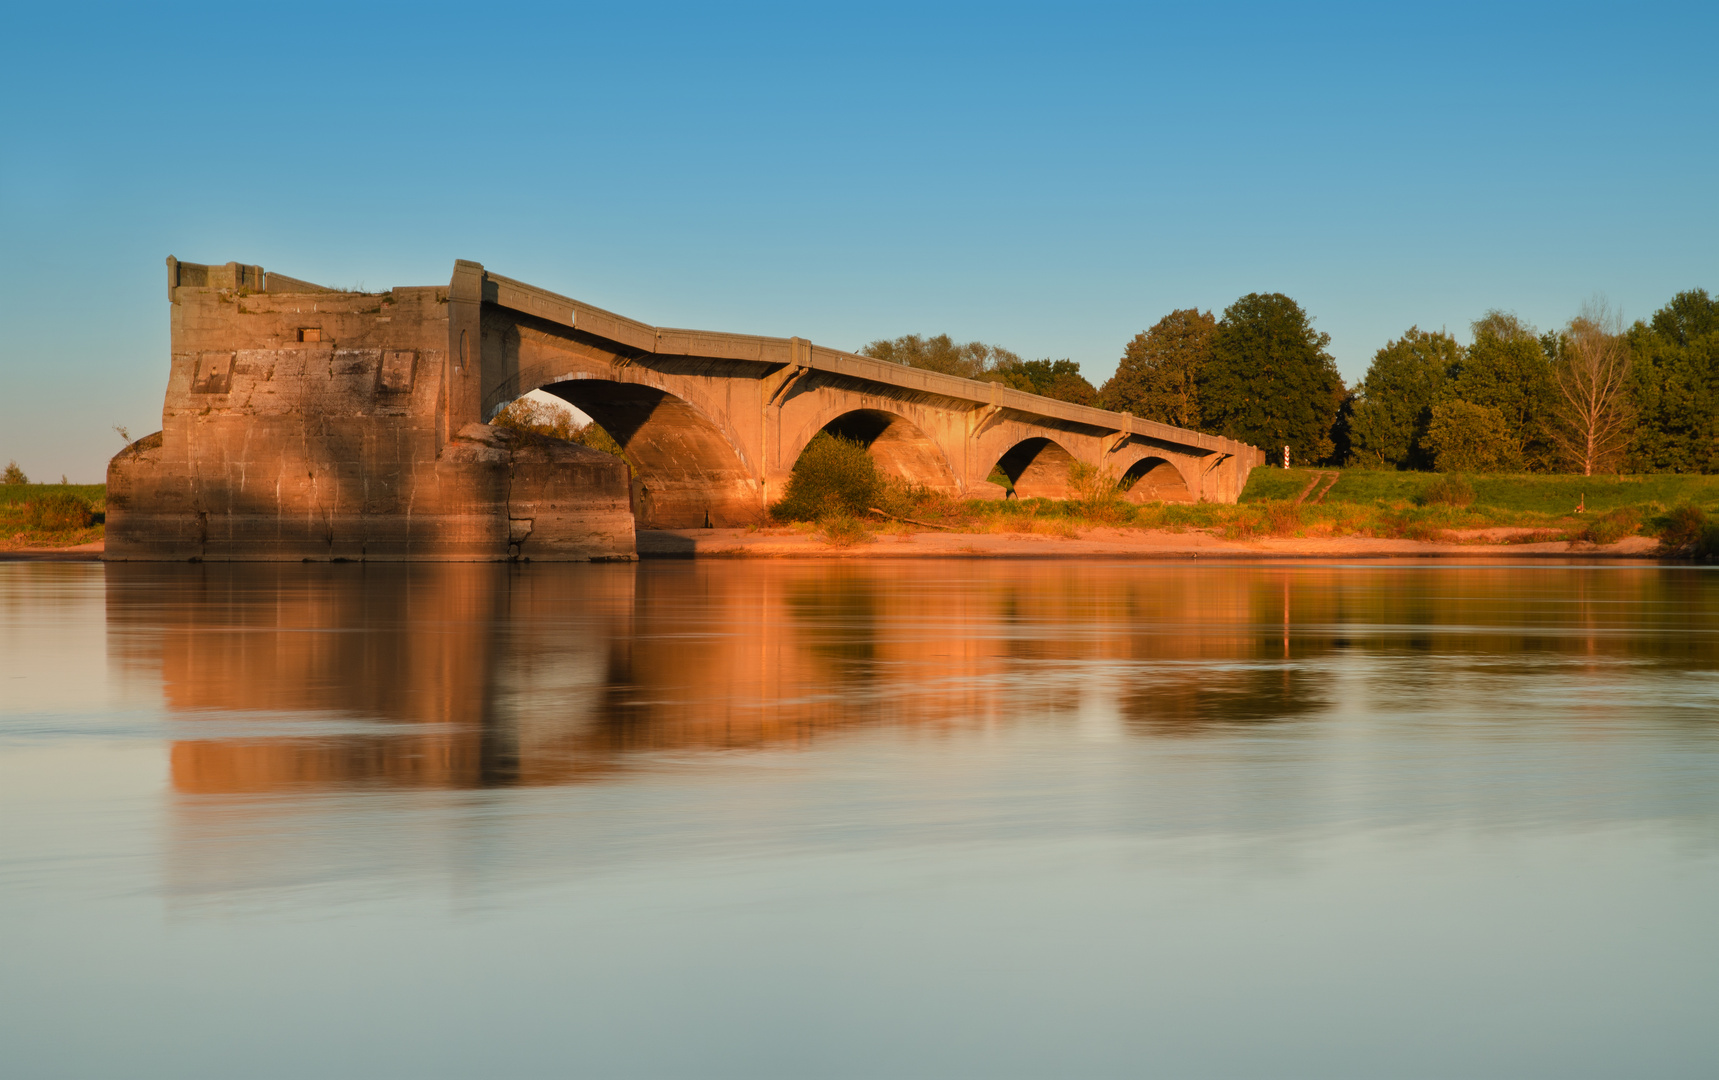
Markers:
(464, 675)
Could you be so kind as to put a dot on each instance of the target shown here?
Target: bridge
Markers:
(302, 422)
(714, 422)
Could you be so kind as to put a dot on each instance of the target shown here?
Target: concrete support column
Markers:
(462, 374)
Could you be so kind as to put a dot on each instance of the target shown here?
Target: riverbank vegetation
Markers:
(51, 515)
(1590, 397)
(837, 491)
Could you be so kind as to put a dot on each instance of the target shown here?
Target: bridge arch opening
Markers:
(899, 447)
(1154, 479)
(686, 472)
(1038, 469)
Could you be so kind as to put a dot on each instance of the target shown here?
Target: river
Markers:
(794, 819)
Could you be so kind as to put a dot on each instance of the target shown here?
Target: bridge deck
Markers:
(643, 339)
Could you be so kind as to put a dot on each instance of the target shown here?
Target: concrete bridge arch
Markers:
(902, 449)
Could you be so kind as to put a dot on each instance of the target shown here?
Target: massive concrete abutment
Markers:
(304, 422)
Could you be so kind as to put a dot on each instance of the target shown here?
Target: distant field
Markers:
(1521, 492)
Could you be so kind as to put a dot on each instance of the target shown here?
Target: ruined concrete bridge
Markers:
(307, 422)
(715, 422)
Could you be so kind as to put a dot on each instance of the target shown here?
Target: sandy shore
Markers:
(1109, 543)
(1090, 543)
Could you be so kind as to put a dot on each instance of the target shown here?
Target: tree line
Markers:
(1592, 396)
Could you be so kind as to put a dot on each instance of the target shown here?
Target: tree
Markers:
(1406, 379)
(1270, 381)
(13, 474)
(1059, 379)
(1508, 369)
(1595, 417)
(1675, 385)
(553, 420)
(1158, 377)
(970, 361)
(1465, 437)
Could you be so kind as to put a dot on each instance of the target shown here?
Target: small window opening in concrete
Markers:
(310, 333)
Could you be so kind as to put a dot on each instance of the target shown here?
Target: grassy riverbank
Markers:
(1329, 503)
(1280, 503)
(51, 515)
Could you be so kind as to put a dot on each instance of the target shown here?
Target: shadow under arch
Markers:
(687, 474)
(1153, 479)
(899, 447)
(1038, 468)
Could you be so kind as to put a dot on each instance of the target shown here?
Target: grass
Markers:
(1682, 510)
(51, 515)
(1522, 492)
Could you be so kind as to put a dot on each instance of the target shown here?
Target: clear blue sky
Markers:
(1052, 179)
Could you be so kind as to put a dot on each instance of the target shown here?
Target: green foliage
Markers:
(13, 474)
(59, 511)
(1509, 370)
(1059, 379)
(1675, 384)
(1270, 381)
(1158, 377)
(1283, 518)
(1465, 437)
(1267, 484)
(941, 353)
(1688, 530)
(1610, 527)
(530, 416)
(833, 476)
(1407, 378)
(1448, 491)
(842, 529)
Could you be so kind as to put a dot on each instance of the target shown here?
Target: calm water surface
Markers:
(876, 820)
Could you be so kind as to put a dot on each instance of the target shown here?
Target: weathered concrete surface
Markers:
(302, 422)
(313, 425)
(715, 422)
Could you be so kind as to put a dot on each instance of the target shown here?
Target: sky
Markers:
(1053, 179)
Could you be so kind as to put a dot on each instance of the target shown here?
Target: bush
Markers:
(1448, 491)
(1283, 519)
(833, 476)
(844, 530)
(1687, 530)
(1612, 527)
(60, 512)
(13, 474)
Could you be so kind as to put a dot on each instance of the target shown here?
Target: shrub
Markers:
(844, 530)
(1448, 491)
(60, 511)
(1684, 527)
(833, 476)
(13, 474)
(1612, 527)
(1283, 519)
(1244, 526)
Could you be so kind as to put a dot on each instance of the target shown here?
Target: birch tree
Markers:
(1595, 415)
